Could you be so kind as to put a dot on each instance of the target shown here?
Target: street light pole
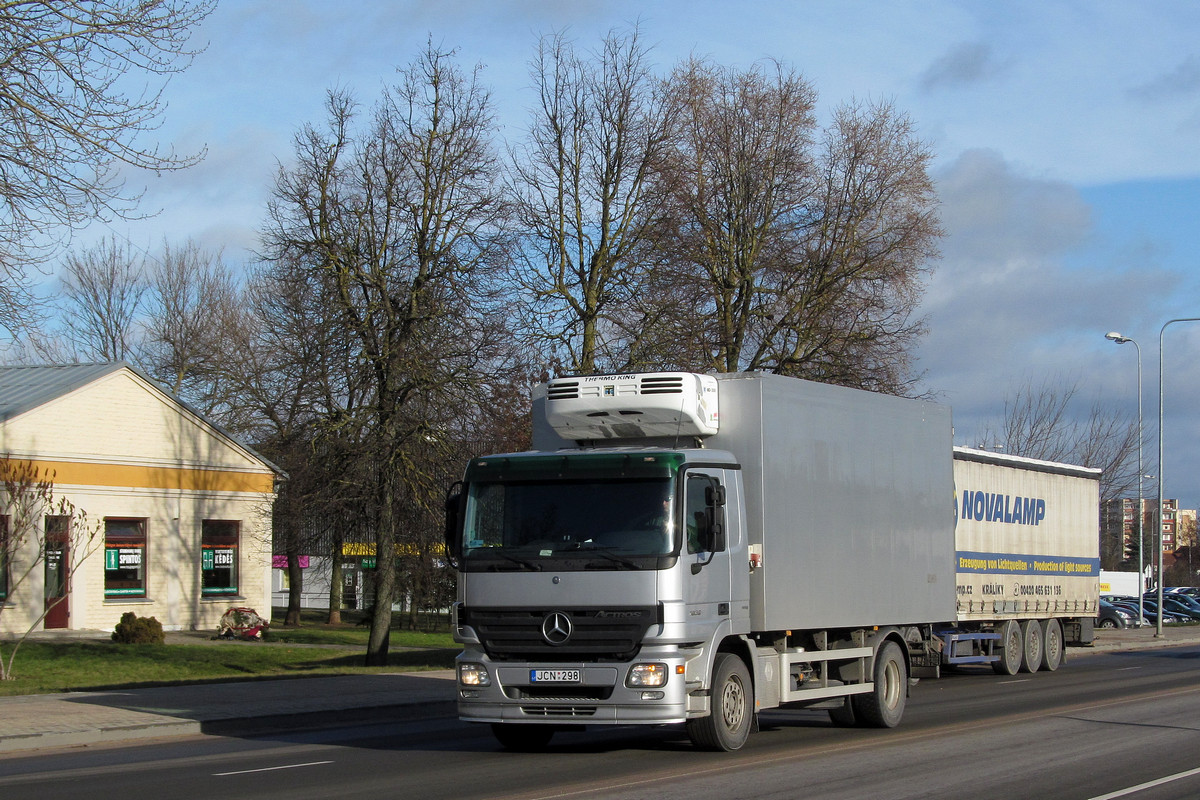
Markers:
(1159, 628)
(1119, 339)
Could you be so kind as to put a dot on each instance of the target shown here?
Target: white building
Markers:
(178, 512)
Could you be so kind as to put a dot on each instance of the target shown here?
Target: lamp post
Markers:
(1119, 339)
(1158, 632)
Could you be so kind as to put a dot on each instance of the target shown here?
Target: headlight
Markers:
(473, 675)
(641, 675)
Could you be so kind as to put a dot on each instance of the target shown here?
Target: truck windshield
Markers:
(576, 524)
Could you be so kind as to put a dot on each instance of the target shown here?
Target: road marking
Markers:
(1149, 785)
(271, 769)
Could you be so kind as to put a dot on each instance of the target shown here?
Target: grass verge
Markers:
(313, 648)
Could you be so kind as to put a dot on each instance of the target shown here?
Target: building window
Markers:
(124, 558)
(3, 558)
(219, 557)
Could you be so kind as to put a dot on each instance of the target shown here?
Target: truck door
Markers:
(706, 558)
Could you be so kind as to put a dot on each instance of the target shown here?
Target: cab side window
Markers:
(703, 509)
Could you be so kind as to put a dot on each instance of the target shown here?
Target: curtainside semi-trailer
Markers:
(683, 548)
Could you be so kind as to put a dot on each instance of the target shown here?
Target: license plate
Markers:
(554, 676)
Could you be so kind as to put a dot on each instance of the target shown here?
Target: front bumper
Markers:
(600, 697)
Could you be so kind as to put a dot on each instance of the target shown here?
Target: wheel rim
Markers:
(733, 703)
(891, 684)
(1053, 646)
(1014, 651)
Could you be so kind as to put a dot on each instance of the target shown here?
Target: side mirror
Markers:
(453, 531)
(717, 533)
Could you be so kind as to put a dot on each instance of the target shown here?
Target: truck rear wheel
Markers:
(1052, 645)
(884, 707)
(731, 709)
(522, 738)
(1011, 648)
(1031, 645)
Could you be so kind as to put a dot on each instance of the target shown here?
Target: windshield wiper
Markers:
(529, 565)
(606, 552)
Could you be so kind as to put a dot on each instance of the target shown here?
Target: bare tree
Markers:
(293, 366)
(1045, 422)
(794, 250)
(400, 220)
(72, 119)
(30, 545)
(103, 288)
(194, 306)
(738, 182)
(580, 183)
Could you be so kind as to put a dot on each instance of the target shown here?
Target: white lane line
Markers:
(271, 769)
(1149, 785)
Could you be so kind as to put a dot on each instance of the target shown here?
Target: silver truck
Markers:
(683, 548)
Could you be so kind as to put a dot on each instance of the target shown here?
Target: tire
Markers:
(884, 707)
(1031, 645)
(1108, 623)
(843, 716)
(522, 738)
(731, 710)
(1053, 652)
(1011, 646)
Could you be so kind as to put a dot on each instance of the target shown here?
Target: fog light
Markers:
(473, 675)
(647, 675)
(652, 695)
(469, 694)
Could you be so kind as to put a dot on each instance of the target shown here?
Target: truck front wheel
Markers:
(731, 711)
(884, 707)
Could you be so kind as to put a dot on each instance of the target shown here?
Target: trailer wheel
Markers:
(731, 711)
(1031, 645)
(1052, 645)
(1011, 647)
(522, 738)
(884, 707)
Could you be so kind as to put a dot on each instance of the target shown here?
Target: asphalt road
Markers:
(1121, 724)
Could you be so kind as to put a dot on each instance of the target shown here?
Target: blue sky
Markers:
(1066, 137)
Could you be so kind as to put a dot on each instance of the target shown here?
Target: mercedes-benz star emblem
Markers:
(556, 628)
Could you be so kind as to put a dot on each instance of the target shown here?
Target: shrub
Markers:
(133, 629)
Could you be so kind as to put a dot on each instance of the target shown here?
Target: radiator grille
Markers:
(596, 634)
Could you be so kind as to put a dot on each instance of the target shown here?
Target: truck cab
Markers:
(597, 575)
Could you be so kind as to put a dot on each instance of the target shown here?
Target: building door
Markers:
(58, 582)
(350, 575)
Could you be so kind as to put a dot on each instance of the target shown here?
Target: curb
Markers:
(18, 743)
(236, 726)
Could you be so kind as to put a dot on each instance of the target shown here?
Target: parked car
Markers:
(1176, 605)
(1180, 597)
(1111, 616)
(1149, 610)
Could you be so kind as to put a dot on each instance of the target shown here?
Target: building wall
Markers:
(173, 532)
(119, 448)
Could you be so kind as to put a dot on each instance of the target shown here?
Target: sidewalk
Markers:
(33, 722)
